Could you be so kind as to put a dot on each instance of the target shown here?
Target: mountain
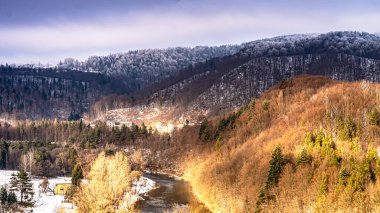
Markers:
(307, 143)
(224, 84)
(177, 86)
(140, 68)
(71, 87)
(29, 93)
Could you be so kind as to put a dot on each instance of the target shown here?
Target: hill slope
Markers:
(46, 93)
(328, 133)
(177, 86)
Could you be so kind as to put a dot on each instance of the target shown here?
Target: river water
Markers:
(169, 193)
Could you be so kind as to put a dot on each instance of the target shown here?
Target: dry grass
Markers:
(230, 181)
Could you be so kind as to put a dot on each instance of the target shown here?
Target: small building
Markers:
(61, 188)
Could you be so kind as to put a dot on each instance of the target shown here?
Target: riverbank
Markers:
(172, 194)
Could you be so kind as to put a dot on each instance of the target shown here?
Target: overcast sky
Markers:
(46, 31)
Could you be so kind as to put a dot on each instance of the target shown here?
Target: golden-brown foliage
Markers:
(231, 181)
(108, 182)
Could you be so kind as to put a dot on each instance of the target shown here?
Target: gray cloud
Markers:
(70, 32)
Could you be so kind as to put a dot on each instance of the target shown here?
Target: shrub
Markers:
(265, 105)
(227, 123)
(309, 140)
(359, 177)
(328, 151)
(109, 180)
(374, 117)
(12, 198)
(77, 175)
(218, 144)
(304, 158)
(346, 129)
(344, 174)
(251, 104)
(205, 131)
(3, 196)
(323, 188)
(261, 199)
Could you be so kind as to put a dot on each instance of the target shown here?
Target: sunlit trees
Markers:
(108, 181)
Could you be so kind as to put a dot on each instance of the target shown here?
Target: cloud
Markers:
(158, 29)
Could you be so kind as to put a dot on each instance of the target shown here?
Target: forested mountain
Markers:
(354, 43)
(140, 68)
(183, 83)
(222, 84)
(48, 93)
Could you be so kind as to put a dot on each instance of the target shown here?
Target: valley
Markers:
(283, 124)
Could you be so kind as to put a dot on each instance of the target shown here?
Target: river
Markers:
(170, 192)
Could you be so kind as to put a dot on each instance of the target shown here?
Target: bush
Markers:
(323, 188)
(109, 180)
(304, 158)
(346, 129)
(3, 196)
(205, 131)
(265, 105)
(77, 175)
(359, 177)
(12, 198)
(227, 123)
(325, 142)
(314, 139)
(344, 174)
(328, 151)
(374, 117)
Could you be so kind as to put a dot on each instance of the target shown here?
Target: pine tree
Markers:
(374, 117)
(3, 154)
(76, 175)
(276, 165)
(22, 183)
(12, 198)
(3, 196)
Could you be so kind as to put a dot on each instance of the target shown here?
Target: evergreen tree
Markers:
(276, 165)
(205, 131)
(22, 183)
(76, 175)
(3, 196)
(374, 117)
(304, 158)
(12, 198)
(3, 154)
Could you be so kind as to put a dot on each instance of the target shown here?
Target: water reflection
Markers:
(170, 193)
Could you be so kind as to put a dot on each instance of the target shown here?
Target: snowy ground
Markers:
(43, 202)
(49, 203)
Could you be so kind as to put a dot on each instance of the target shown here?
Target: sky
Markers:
(47, 31)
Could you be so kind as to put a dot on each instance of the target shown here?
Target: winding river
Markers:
(170, 192)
